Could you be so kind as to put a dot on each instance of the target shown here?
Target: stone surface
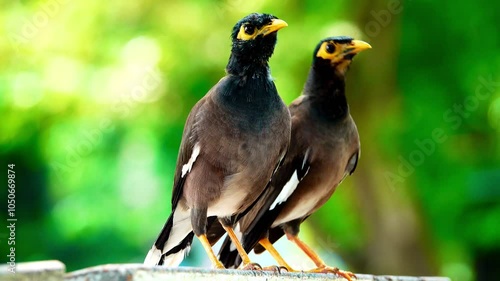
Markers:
(34, 271)
(139, 272)
(55, 271)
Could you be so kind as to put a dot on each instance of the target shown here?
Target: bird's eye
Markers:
(330, 48)
(249, 29)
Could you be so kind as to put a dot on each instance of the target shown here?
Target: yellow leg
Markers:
(247, 264)
(210, 252)
(321, 266)
(307, 250)
(270, 248)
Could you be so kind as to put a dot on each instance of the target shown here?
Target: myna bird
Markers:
(233, 140)
(324, 149)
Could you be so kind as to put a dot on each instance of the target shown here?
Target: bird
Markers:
(233, 140)
(324, 150)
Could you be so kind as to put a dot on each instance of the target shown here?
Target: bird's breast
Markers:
(252, 132)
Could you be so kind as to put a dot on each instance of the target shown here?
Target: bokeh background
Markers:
(94, 95)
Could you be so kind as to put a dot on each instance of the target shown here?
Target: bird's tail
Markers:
(228, 254)
(174, 241)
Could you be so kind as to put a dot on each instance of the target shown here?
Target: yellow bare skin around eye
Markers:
(242, 35)
(341, 50)
(322, 53)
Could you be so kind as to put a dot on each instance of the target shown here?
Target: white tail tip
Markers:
(174, 260)
(153, 257)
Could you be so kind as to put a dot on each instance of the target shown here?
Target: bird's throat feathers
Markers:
(326, 89)
(253, 93)
(247, 68)
(251, 102)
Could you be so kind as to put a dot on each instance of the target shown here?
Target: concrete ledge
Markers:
(55, 271)
(139, 272)
(34, 271)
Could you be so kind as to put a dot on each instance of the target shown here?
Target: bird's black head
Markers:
(337, 52)
(253, 39)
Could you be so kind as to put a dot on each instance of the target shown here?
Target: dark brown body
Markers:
(331, 146)
(227, 178)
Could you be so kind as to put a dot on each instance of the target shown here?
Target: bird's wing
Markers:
(282, 185)
(351, 164)
(187, 153)
(173, 240)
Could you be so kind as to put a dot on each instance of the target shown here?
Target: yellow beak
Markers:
(275, 25)
(356, 46)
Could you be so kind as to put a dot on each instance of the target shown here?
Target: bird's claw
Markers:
(275, 268)
(284, 269)
(252, 266)
(272, 268)
(335, 270)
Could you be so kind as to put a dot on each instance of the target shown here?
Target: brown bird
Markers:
(233, 140)
(324, 149)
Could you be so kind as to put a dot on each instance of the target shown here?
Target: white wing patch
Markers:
(186, 168)
(306, 156)
(287, 190)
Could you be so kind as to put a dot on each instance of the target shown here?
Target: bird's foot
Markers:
(276, 268)
(219, 265)
(251, 266)
(328, 269)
